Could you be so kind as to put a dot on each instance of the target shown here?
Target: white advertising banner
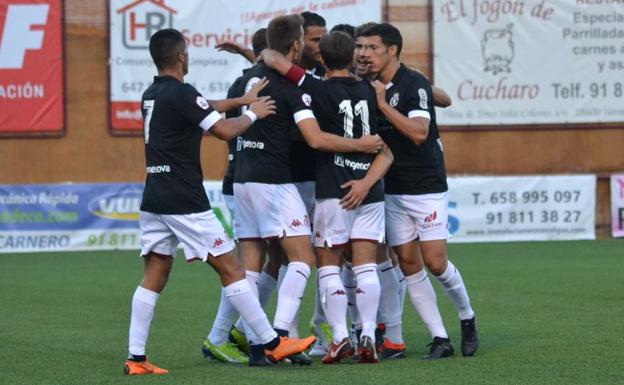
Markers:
(204, 24)
(508, 62)
(522, 208)
(617, 205)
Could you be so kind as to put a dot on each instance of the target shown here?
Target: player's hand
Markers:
(231, 47)
(252, 95)
(358, 190)
(380, 91)
(268, 56)
(263, 107)
(371, 144)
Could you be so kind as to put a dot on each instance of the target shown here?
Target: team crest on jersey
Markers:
(251, 83)
(202, 103)
(394, 100)
(423, 98)
(307, 99)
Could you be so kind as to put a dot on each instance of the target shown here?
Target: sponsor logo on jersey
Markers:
(123, 206)
(158, 169)
(394, 100)
(307, 99)
(338, 160)
(242, 144)
(356, 165)
(202, 103)
(423, 98)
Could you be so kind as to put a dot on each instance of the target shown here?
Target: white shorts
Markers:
(335, 226)
(307, 193)
(229, 203)
(269, 211)
(409, 217)
(201, 234)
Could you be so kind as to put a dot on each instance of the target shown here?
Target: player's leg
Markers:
(402, 231)
(366, 233)
(331, 228)
(390, 311)
(158, 245)
(433, 238)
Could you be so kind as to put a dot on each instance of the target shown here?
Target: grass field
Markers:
(549, 313)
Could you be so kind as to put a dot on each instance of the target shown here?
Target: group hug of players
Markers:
(335, 160)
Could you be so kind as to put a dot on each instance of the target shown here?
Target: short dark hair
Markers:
(311, 19)
(388, 33)
(164, 47)
(346, 28)
(360, 29)
(283, 31)
(337, 50)
(259, 41)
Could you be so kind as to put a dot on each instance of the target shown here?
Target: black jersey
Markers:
(263, 151)
(174, 115)
(417, 169)
(346, 107)
(234, 91)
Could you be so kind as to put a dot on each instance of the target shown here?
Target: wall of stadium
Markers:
(88, 153)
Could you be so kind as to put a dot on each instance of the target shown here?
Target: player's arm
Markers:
(275, 61)
(250, 96)
(228, 129)
(440, 97)
(235, 48)
(415, 128)
(292, 72)
(359, 188)
(323, 141)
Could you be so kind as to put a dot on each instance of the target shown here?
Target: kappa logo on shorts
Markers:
(306, 220)
(295, 223)
(339, 292)
(218, 242)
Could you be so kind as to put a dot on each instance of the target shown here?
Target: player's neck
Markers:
(307, 64)
(389, 71)
(343, 73)
(173, 72)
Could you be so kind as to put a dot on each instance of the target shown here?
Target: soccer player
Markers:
(349, 194)
(175, 208)
(416, 189)
(267, 202)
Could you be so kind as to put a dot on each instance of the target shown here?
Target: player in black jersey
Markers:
(267, 202)
(175, 208)
(349, 193)
(416, 188)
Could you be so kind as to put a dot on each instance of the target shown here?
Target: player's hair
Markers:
(259, 41)
(337, 50)
(360, 29)
(311, 19)
(346, 28)
(164, 47)
(388, 33)
(283, 31)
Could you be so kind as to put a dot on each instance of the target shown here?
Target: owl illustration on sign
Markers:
(498, 49)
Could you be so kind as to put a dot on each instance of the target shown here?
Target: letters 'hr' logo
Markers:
(18, 34)
(143, 18)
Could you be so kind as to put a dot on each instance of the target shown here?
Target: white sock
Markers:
(390, 311)
(367, 297)
(348, 279)
(319, 314)
(453, 285)
(266, 285)
(424, 300)
(281, 273)
(242, 299)
(290, 294)
(143, 303)
(334, 300)
(223, 321)
(252, 280)
(402, 286)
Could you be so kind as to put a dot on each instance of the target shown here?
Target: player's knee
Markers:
(437, 264)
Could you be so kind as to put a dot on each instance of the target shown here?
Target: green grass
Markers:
(549, 313)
